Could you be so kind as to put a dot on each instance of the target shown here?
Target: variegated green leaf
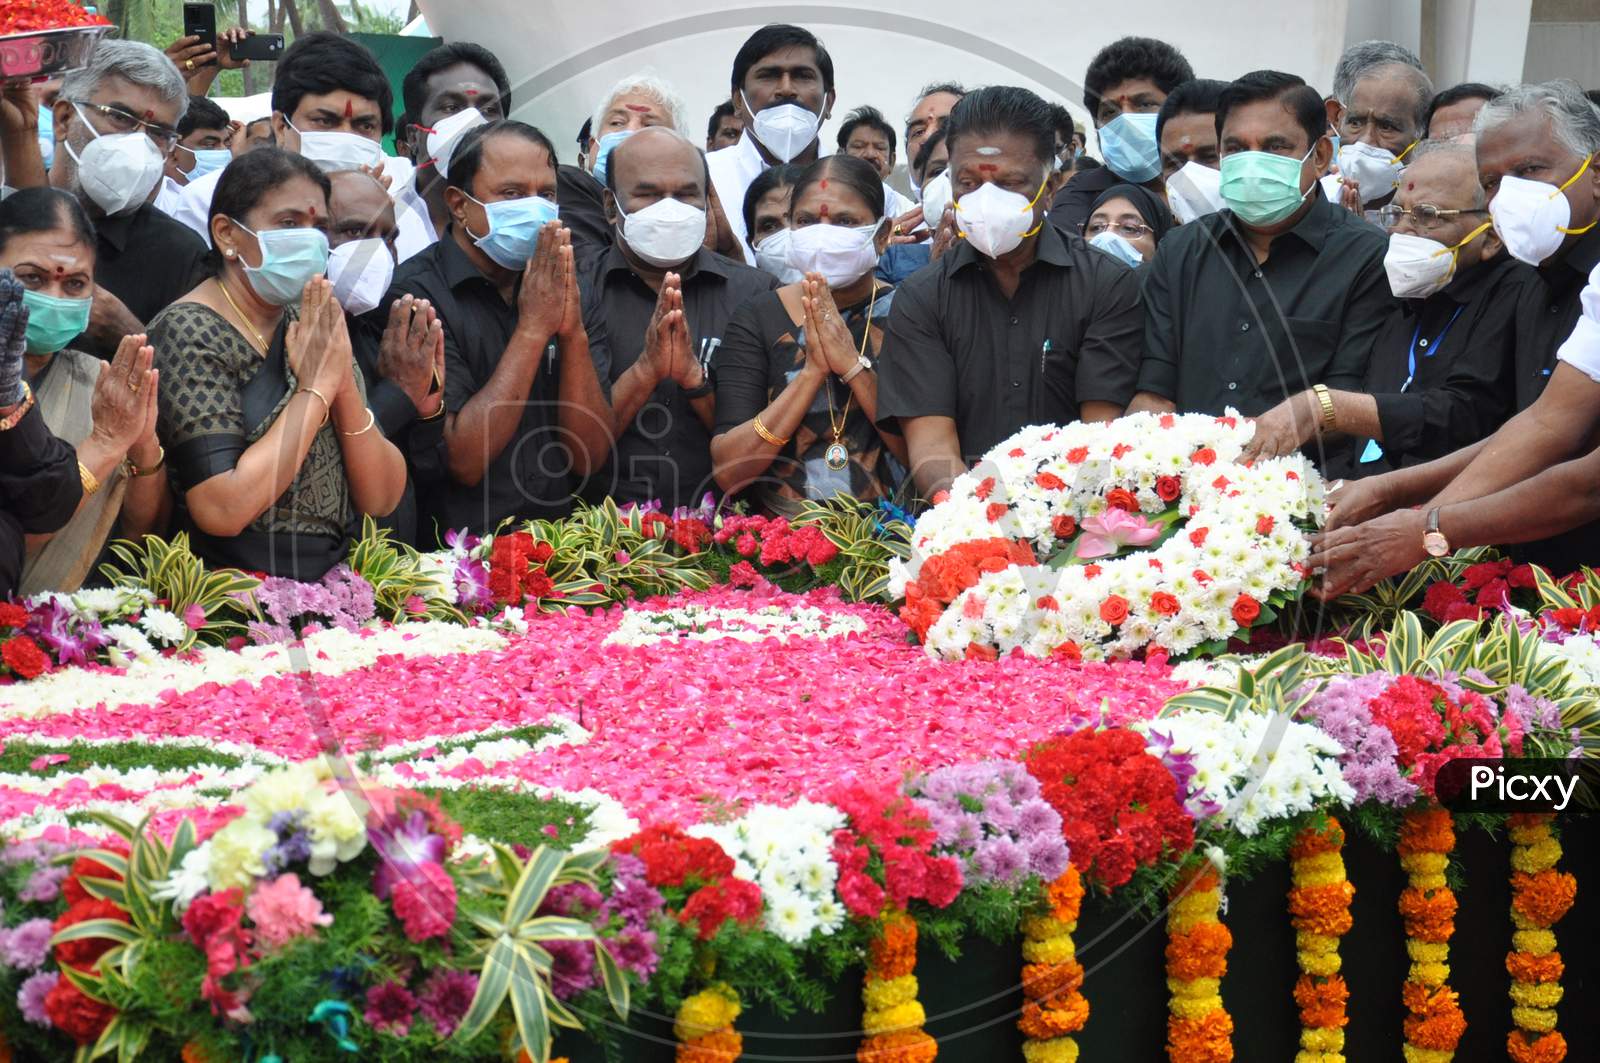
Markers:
(494, 982)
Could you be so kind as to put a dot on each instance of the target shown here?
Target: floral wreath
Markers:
(1095, 541)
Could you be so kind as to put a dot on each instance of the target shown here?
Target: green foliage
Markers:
(867, 542)
(1273, 685)
(513, 818)
(172, 572)
(990, 910)
(1360, 616)
(397, 577)
(602, 555)
(18, 754)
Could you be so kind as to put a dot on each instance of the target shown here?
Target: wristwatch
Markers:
(862, 362)
(705, 388)
(1433, 540)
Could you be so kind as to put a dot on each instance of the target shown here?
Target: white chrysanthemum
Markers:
(163, 626)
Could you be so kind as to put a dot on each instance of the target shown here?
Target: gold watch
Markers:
(1433, 540)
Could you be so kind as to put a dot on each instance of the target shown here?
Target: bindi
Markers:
(822, 212)
(349, 109)
(988, 167)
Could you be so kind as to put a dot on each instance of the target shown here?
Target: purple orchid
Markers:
(401, 848)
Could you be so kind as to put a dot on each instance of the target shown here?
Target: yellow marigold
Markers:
(1532, 859)
(1054, 1050)
(1321, 964)
(1198, 902)
(1194, 988)
(1045, 927)
(1425, 863)
(706, 1011)
(1051, 950)
(1322, 1039)
(1303, 1056)
(1536, 994)
(1539, 1020)
(1430, 974)
(878, 994)
(1308, 941)
(1428, 951)
(1537, 942)
(900, 1017)
(1329, 863)
(1528, 826)
(1414, 1054)
(1194, 1007)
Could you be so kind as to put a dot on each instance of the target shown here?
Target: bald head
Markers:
(657, 163)
(1444, 175)
(360, 208)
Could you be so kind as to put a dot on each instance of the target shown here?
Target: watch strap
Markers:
(706, 387)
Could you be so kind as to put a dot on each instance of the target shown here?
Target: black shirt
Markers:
(1219, 331)
(39, 490)
(420, 441)
(665, 452)
(531, 477)
(1547, 313)
(148, 260)
(1070, 209)
(583, 210)
(955, 347)
(1456, 347)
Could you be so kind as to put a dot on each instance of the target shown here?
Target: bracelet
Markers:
(1326, 399)
(762, 431)
(327, 407)
(436, 414)
(134, 470)
(372, 419)
(11, 419)
(87, 478)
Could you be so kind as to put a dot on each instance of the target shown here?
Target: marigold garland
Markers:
(704, 1026)
(1540, 896)
(892, 1020)
(1435, 1023)
(1199, 1028)
(1052, 977)
(1319, 908)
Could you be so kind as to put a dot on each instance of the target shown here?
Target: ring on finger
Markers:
(188, 64)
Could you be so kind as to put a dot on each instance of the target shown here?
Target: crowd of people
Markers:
(261, 334)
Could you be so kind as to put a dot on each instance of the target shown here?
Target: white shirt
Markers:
(734, 168)
(168, 196)
(1581, 350)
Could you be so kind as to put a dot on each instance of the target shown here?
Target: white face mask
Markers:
(666, 233)
(117, 170)
(840, 253)
(785, 130)
(1118, 247)
(936, 197)
(1377, 170)
(339, 150)
(447, 134)
(360, 272)
(1194, 191)
(1531, 217)
(995, 221)
(772, 256)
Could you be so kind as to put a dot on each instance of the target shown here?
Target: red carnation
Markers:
(1164, 603)
(1481, 574)
(984, 489)
(1264, 525)
(1167, 420)
(24, 657)
(425, 901)
(1440, 597)
(1114, 610)
(1064, 526)
(1050, 481)
(1203, 456)
(13, 615)
(80, 1017)
(1521, 578)
(1122, 498)
(995, 511)
(83, 952)
(72, 890)
(1168, 488)
(1245, 610)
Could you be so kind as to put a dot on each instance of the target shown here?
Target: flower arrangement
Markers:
(1540, 896)
(704, 1026)
(1147, 533)
(1319, 907)
(1480, 589)
(1434, 1023)
(292, 609)
(990, 814)
(1052, 977)
(788, 853)
(892, 1017)
(885, 853)
(31, 880)
(1199, 1028)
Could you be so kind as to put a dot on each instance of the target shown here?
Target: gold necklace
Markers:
(261, 344)
(837, 456)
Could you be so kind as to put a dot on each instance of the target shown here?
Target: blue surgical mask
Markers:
(52, 321)
(47, 135)
(1128, 145)
(603, 152)
(514, 226)
(208, 160)
(289, 258)
(1118, 247)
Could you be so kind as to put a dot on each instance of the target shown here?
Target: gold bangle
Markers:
(87, 478)
(1326, 399)
(134, 470)
(372, 419)
(764, 433)
(327, 407)
(11, 419)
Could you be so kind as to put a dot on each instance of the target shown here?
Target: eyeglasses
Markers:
(1128, 230)
(1426, 216)
(121, 121)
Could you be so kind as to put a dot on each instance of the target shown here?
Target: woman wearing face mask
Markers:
(1127, 222)
(272, 449)
(107, 411)
(766, 219)
(797, 396)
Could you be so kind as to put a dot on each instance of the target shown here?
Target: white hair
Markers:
(1368, 58)
(1574, 119)
(645, 85)
(132, 61)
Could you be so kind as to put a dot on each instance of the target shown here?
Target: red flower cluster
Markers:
(773, 541)
(944, 576)
(214, 922)
(699, 869)
(83, 953)
(884, 855)
(1484, 588)
(1431, 728)
(425, 901)
(691, 534)
(1120, 807)
(516, 569)
(22, 657)
(83, 867)
(80, 1017)
(29, 16)
(69, 1009)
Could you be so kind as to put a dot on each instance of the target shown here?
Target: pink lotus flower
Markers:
(1104, 535)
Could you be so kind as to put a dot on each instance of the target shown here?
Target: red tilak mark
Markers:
(988, 167)
(637, 108)
(824, 184)
(470, 92)
(349, 109)
(149, 115)
(313, 213)
(60, 271)
(822, 212)
(1410, 185)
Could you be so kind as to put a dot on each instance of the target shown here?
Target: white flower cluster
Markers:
(704, 623)
(788, 853)
(1255, 767)
(1237, 537)
(1580, 657)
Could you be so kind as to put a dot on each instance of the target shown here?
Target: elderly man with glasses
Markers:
(115, 126)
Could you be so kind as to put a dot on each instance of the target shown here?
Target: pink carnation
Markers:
(284, 910)
(425, 901)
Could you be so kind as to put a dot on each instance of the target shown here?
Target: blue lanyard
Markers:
(1428, 349)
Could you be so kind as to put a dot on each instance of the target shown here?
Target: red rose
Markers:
(1016, 452)
(995, 511)
(24, 657)
(13, 615)
(1067, 651)
(1245, 610)
(1202, 577)
(1122, 498)
(978, 652)
(1114, 610)
(1203, 456)
(79, 1017)
(1440, 597)
(1167, 420)
(1050, 481)
(1198, 536)
(1091, 571)
(1048, 602)
(1077, 455)
(1168, 488)
(1264, 525)
(1164, 603)
(941, 495)
(1064, 526)
(1221, 483)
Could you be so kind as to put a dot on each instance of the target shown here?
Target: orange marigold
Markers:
(1322, 909)
(1436, 1020)
(1055, 1019)
(903, 1046)
(1549, 1048)
(1311, 842)
(1543, 898)
(1208, 1039)
(1426, 830)
(719, 1046)
(1065, 896)
(1429, 915)
(1200, 953)
(1526, 967)
(1049, 981)
(894, 953)
(1322, 1001)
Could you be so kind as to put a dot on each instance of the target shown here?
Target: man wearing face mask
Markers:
(666, 301)
(115, 123)
(1124, 87)
(1380, 110)
(204, 146)
(927, 117)
(398, 344)
(526, 406)
(1538, 153)
(641, 101)
(1186, 129)
(1017, 324)
(1441, 364)
(1280, 292)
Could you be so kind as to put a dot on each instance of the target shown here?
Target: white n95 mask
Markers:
(117, 170)
(840, 253)
(360, 272)
(446, 135)
(994, 221)
(1531, 217)
(1194, 191)
(666, 233)
(786, 129)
